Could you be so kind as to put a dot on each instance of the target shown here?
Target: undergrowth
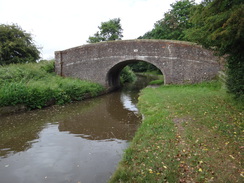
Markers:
(35, 85)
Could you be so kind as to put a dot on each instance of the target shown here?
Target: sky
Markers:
(61, 24)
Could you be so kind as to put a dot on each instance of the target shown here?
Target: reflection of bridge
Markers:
(180, 62)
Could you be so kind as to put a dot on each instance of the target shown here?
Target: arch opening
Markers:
(113, 75)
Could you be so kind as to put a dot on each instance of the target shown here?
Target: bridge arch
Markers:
(180, 62)
(113, 75)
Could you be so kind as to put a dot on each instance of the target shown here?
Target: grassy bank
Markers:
(35, 85)
(191, 133)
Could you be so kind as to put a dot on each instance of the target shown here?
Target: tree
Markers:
(108, 31)
(219, 25)
(171, 26)
(143, 67)
(174, 23)
(16, 46)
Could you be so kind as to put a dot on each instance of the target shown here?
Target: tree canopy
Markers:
(171, 26)
(174, 22)
(16, 45)
(215, 24)
(219, 25)
(108, 31)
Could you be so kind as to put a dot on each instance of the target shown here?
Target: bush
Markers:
(48, 66)
(235, 79)
(25, 72)
(127, 75)
(35, 86)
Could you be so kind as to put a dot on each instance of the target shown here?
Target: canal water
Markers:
(80, 142)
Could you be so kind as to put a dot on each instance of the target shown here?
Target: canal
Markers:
(79, 142)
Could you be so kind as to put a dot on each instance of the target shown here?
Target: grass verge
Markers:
(156, 82)
(190, 133)
(35, 85)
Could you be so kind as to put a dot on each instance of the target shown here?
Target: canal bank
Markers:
(35, 86)
(82, 141)
(190, 133)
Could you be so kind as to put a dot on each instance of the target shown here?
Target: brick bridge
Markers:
(180, 62)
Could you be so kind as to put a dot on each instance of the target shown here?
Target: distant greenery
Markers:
(143, 67)
(127, 75)
(16, 45)
(35, 85)
(156, 82)
(108, 31)
(190, 133)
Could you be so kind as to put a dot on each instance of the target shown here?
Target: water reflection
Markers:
(78, 142)
(62, 157)
(97, 119)
(128, 104)
(108, 119)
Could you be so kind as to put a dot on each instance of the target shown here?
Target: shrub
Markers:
(127, 75)
(36, 86)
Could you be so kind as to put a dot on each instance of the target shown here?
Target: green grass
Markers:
(35, 85)
(190, 133)
(156, 82)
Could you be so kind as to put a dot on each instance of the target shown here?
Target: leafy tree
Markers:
(108, 31)
(174, 23)
(127, 75)
(143, 67)
(219, 25)
(172, 26)
(16, 46)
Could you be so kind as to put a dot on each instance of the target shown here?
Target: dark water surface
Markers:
(80, 142)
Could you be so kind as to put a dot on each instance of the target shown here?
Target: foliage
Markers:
(219, 25)
(48, 65)
(190, 133)
(215, 24)
(173, 24)
(108, 31)
(35, 86)
(16, 45)
(143, 67)
(127, 75)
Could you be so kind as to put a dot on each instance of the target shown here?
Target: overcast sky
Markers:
(61, 24)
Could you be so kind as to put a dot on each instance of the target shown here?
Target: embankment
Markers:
(190, 133)
(35, 85)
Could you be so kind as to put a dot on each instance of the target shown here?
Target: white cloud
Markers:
(61, 24)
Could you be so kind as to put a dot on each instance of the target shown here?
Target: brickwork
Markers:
(180, 62)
